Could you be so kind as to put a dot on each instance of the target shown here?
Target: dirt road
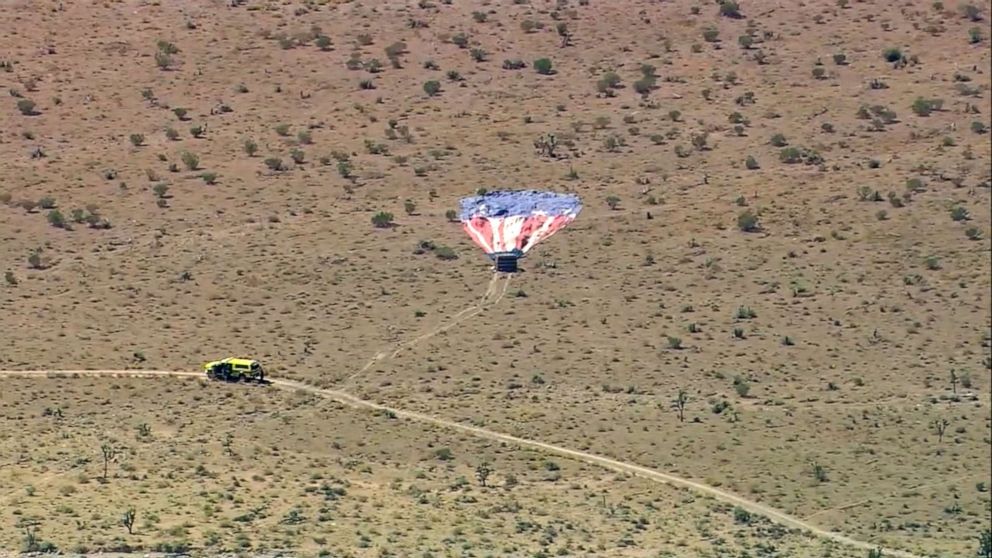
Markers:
(619, 466)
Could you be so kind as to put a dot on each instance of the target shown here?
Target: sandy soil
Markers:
(862, 308)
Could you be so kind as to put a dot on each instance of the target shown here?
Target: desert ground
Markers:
(786, 220)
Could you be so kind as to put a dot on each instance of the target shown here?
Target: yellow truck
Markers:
(233, 369)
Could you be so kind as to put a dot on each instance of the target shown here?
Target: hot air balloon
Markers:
(507, 224)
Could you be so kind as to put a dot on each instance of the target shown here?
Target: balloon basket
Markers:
(505, 263)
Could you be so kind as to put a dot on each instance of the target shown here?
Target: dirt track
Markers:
(619, 466)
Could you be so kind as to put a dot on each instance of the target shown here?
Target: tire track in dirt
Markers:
(346, 398)
(495, 291)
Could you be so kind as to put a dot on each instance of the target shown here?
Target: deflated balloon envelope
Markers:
(507, 224)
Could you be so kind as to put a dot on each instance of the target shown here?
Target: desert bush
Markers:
(171, 134)
(47, 202)
(840, 59)
(57, 220)
(180, 113)
(432, 87)
(892, 54)
(382, 220)
(275, 164)
(751, 163)
(741, 386)
(746, 41)
(137, 140)
(478, 54)
(514, 64)
(160, 190)
(959, 213)
(973, 233)
(209, 177)
(747, 221)
(778, 140)
(610, 80)
(364, 39)
(298, 156)
(460, 39)
(445, 253)
(197, 131)
(323, 42)
(26, 106)
(543, 66)
(250, 147)
(972, 12)
(644, 85)
(282, 129)
(451, 215)
(366, 84)
(978, 127)
(819, 72)
(923, 107)
(711, 34)
(191, 161)
(729, 8)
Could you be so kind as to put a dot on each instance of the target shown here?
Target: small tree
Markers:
(250, 147)
(482, 472)
(679, 403)
(128, 520)
(954, 382)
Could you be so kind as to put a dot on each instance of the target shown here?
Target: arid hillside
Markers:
(785, 233)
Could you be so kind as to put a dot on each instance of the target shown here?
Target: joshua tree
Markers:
(128, 520)
(482, 472)
(940, 426)
(679, 403)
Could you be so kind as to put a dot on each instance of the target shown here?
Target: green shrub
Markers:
(191, 161)
(543, 66)
(747, 221)
(432, 87)
(382, 220)
(56, 219)
(892, 55)
(26, 106)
